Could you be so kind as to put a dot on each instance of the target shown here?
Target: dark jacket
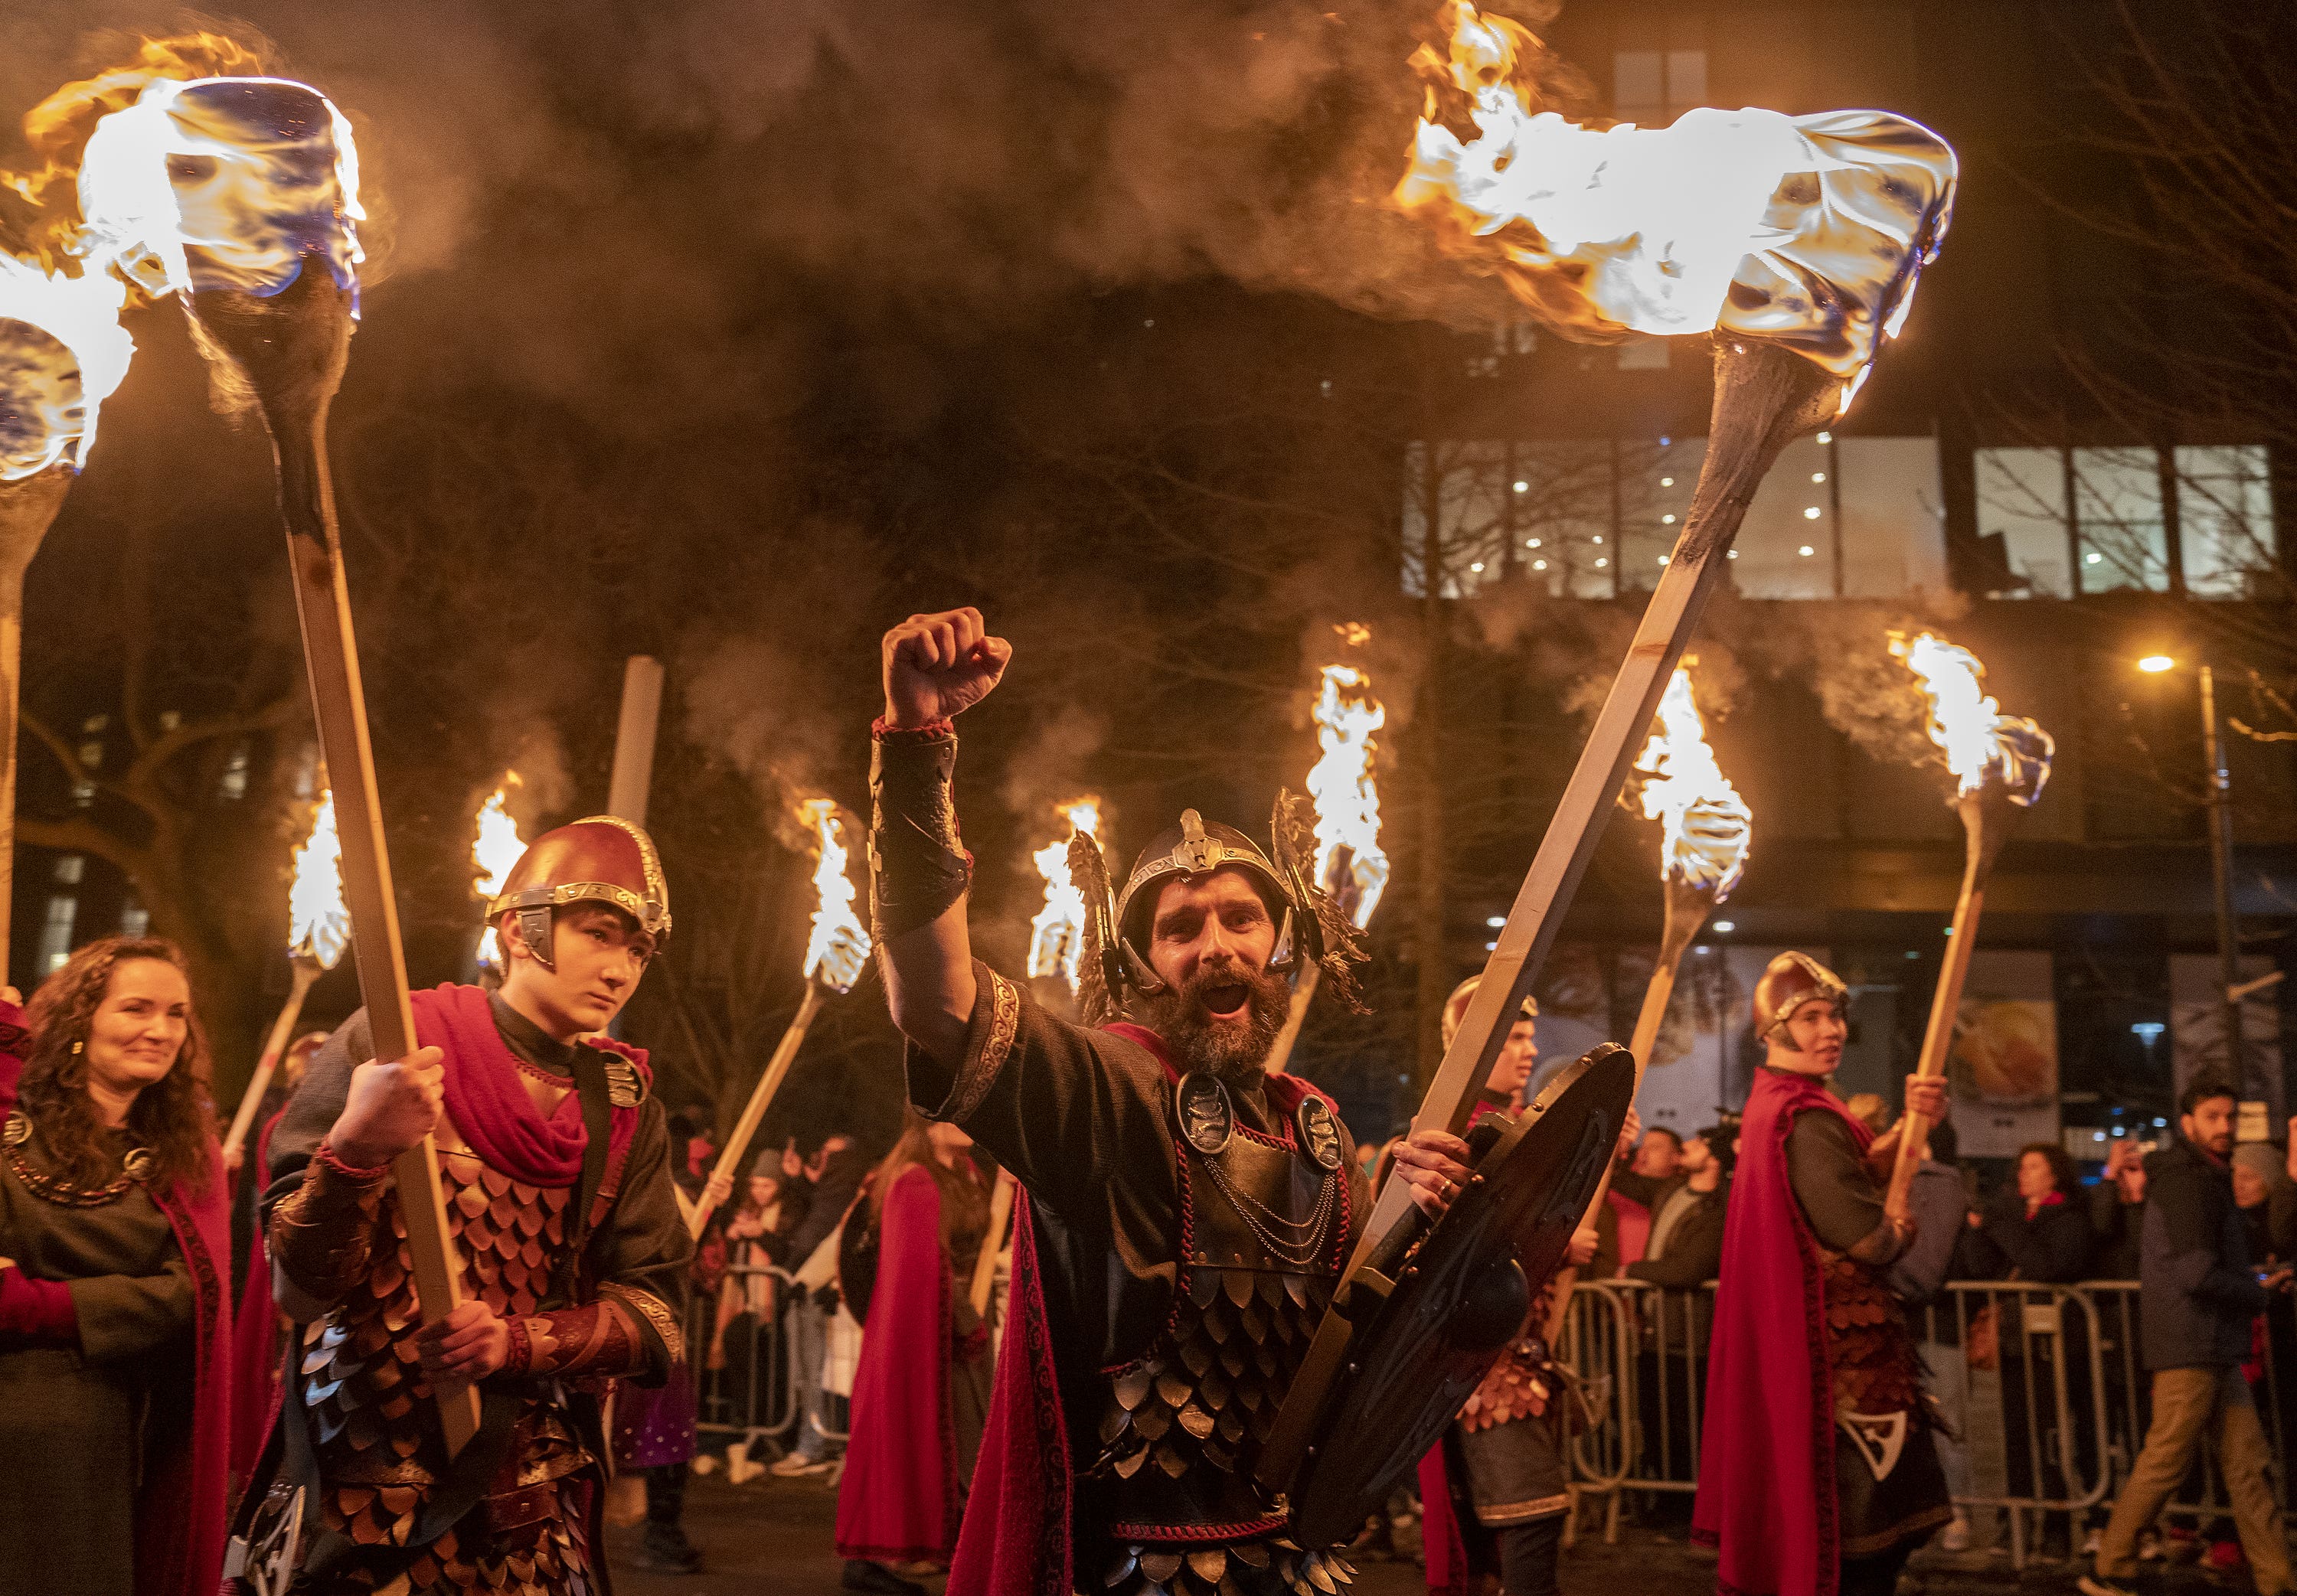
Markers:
(1945, 1248)
(2120, 1227)
(2198, 1292)
(1683, 1313)
(2053, 1246)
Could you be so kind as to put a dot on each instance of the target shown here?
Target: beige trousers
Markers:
(2188, 1403)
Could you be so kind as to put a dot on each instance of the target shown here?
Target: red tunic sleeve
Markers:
(898, 1499)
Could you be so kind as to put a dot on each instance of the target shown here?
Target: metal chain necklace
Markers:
(135, 1167)
(1299, 1252)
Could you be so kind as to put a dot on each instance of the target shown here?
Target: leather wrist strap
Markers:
(918, 866)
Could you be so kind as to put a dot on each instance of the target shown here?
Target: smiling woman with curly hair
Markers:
(114, 1332)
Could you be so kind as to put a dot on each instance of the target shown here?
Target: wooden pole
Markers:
(1764, 397)
(27, 508)
(291, 349)
(305, 972)
(1304, 992)
(993, 1243)
(730, 1162)
(1987, 817)
(628, 788)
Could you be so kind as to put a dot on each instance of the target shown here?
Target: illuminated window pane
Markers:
(1639, 86)
(2225, 519)
(1779, 526)
(1686, 80)
(1656, 482)
(1893, 525)
(1566, 507)
(2118, 507)
(2022, 499)
(1466, 483)
(56, 933)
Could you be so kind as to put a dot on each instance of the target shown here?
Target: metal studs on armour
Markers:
(1205, 1116)
(1320, 1132)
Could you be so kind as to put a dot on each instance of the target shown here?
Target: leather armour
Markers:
(1876, 1369)
(1264, 1229)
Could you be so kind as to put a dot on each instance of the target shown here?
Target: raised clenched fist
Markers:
(937, 666)
(390, 1107)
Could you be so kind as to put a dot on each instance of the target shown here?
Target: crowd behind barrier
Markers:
(2046, 1386)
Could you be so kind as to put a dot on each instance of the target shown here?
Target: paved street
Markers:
(772, 1538)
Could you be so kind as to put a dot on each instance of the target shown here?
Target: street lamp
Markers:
(2220, 851)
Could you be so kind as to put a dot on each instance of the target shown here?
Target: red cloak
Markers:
(1766, 1490)
(899, 1499)
(255, 1352)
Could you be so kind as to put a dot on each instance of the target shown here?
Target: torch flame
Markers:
(254, 174)
(1809, 231)
(1350, 866)
(495, 852)
(839, 945)
(318, 922)
(62, 352)
(1705, 826)
(1056, 935)
(1978, 740)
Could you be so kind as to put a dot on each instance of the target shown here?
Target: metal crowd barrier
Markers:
(754, 1394)
(2050, 1422)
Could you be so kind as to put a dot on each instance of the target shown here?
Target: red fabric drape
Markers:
(254, 1337)
(1634, 1222)
(488, 1102)
(898, 1500)
(1766, 1493)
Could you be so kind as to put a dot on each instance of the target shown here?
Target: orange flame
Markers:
(495, 852)
(62, 352)
(839, 944)
(1808, 231)
(1350, 866)
(1705, 826)
(318, 921)
(1056, 935)
(1980, 743)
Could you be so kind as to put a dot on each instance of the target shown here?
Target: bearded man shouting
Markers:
(1187, 1214)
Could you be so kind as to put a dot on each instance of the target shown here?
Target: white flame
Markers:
(1705, 826)
(318, 924)
(1809, 231)
(495, 852)
(63, 353)
(1350, 866)
(839, 944)
(253, 173)
(1056, 935)
(1978, 740)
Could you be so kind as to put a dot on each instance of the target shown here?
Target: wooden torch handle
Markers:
(730, 1162)
(306, 971)
(1938, 1036)
(993, 1243)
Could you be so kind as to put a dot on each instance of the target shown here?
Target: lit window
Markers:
(56, 933)
(2118, 518)
(2021, 508)
(2225, 519)
(135, 920)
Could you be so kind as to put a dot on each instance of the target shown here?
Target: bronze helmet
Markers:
(603, 859)
(1198, 848)
(1793, 979)
(1455, 1007)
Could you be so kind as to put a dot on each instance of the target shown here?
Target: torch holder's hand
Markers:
(390, 1107)
(941, 665)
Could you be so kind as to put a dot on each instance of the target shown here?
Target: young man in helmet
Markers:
(554, 1161)
(1817, 1472)
(1187, 1214)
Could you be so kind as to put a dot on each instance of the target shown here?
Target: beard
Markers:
(1231, 1053)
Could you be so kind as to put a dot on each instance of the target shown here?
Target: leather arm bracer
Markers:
(322, 1234)
(919, 866)
(598, 1338)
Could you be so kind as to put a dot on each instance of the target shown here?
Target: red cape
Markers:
(254, 1336)
(1016, 1538)
(179, 1507)
(1766, 1491)
(899, 1500)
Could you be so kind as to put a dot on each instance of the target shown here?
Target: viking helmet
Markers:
(1793, 979)
(1455, 1007)
(601, 860)
(1194, 848)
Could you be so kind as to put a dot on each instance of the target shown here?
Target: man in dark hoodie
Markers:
(2199, 1295)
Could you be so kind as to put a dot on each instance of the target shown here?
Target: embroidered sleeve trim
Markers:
(654, 1311)
(982, 1065)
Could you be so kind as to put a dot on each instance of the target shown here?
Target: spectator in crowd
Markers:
(1681, 1255)
(1942, 1251)
(2200, 1294)
(1659, 1156)
(2268, 1201)
(2036, 1228)
(2117, 1210)
(758, 1236)
(835, 1173)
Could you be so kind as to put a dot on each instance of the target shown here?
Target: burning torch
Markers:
(1351, 869)
(2000, 763)
(319, 930)
(496, 850)
(836, 951)
(62, 352)
(1057, 934)
(240, 195)
(1797, 242)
